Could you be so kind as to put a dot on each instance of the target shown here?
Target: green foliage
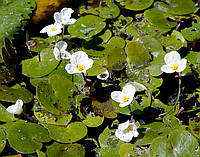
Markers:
(68, 134)
(11, 94)
(5, 116)
(93, 121)
(65, 150)
(14, 14)
(192, 32)
(87, 26)
(40, 65)
(27, 137)
(2, 140)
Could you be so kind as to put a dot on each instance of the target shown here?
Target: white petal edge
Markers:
(182, 65)
(172, 57)
(117, 96)
(167, 69)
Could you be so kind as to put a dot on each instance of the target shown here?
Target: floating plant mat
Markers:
(126, 83)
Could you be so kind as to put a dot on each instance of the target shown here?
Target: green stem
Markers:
(131, 113)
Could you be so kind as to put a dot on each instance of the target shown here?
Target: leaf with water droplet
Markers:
(65, 150)
(27, 137)
(72, 133)
(2, 140)
(40, 65)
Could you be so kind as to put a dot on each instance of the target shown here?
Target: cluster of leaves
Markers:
(130, 39)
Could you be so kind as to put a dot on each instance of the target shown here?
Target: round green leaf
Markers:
(192, 33)
(97, 68)
(65, 150)
(93, 121)
(11, 94)
(47, 117)
(63, 89)
(134, 52)
(26, 137)
(136, 4)
(86, 26)
(159, 19)
(127, 149)
(172, 145)
(40, 65)
(72, 133)
(2, 140)
(46, 97)
(107, 9)
(5, 116)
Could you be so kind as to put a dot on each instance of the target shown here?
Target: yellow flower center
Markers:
(53, 29)
(125, 99)
(20, 111)
(129, 128)
(174, 67)
(80, 67)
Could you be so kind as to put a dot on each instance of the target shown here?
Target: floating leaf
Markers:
(2, 140)
(65, 150)
(106, 9)
(46, 97)
(63, 90)
(126, 149)
(26, 137)
(93, 121)
(72, 133)
(47, 117)
(136, 4)
(177, 7)
(86, 26)
(105, 109)
(173, 42)
(14, 14)
(134, 52)
(5, 116)
(40, 65)
(172, 145)
(11, 94)
(97, 68)
(192, 33)
(158, 61)
(109, 144)
(159, 19)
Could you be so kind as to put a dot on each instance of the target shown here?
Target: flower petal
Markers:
(65, 55)
(66, 13)
(105, 74)
(71, 69)
(69, 21)
(16, 108)
(62, 45)
(57, 17)
(167, 69)
(77, 56)
(56, 53)
(117, 96)
(182, 65)
(129, 91)
(172, 57)
(124, 125)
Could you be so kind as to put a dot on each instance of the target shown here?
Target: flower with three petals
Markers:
(60, 52)
(16, 108)
(174, 63)
(103, 76)
(124, 97)
(52, 29)
(126, 131)
(64, 17)
(79, 63)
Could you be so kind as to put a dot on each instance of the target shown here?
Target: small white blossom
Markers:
(174, 63)
(60, 52)
(126, 131)
(79, 63)
(64, 16)
(124, 97)
(103, 76)
(16, 108)
(52, 29)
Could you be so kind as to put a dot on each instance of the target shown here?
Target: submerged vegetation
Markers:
(106, 78)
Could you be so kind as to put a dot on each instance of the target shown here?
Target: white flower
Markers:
(63, 17)
(126, 131)
(174, 63)
(124, 97)
(52, 29)
(60, 52)
(79, 63)
(16, 108)
(103, 76)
